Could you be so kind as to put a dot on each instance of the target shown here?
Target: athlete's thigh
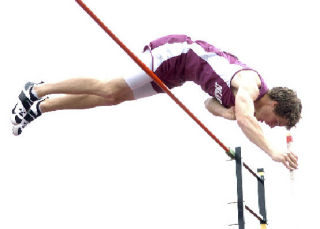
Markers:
(140, 82)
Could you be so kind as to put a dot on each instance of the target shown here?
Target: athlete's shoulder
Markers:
(246, 77)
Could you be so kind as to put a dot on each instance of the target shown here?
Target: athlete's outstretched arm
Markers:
(248, 91)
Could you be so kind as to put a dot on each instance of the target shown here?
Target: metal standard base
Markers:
(239, 188)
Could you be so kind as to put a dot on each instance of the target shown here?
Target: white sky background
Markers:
(145, 164)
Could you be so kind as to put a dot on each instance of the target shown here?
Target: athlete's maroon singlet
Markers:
(177, 59)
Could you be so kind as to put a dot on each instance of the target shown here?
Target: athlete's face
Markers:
(267, 115)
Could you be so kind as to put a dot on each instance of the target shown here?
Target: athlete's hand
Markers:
(289, 160)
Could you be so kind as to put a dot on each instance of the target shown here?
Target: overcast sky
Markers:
(146, 164)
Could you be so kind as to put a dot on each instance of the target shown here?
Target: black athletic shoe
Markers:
(33, 113)
(26, 100)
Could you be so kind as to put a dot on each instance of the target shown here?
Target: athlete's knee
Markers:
(117, 91)
(114, 99)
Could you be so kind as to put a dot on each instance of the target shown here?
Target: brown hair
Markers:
(289, 105)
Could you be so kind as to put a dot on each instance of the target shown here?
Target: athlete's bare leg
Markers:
(82, 93)
(85, 93)
(90, 86)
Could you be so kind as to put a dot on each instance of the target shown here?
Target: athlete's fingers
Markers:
(291, 161)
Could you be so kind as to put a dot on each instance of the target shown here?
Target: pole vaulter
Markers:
(237, 91)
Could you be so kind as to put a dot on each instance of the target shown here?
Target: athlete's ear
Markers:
(274, 103)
